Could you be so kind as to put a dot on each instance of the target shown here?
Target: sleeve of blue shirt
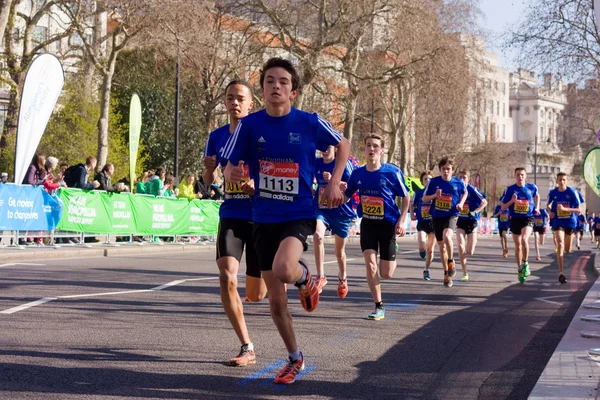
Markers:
(325, 134)
(400, 188)
(429, 190)
(505, 198)
(238, 144)
(352, 186)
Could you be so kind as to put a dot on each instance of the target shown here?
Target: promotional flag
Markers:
(135, 126)
(591, 169)
(43, 84)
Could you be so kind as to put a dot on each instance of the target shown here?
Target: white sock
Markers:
(303, 277)
(343, 278)
(295, 356)
(250, 346)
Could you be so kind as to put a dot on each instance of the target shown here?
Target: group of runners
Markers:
(278, 193)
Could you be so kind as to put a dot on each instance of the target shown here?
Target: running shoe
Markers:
(464, 278)
(578, 247)
(378, 315)
(288, 374)
(246, 357)
(562, 279)
(521, 277)
(451, 269)
(447, 281)
(342, 288)
(505, 253)
(525, 268)
(538, 258)
(423, 254)
(320, 281)
(426, 276)
(309, 294)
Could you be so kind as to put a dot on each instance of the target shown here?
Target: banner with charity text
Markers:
(27, 207)
(126, 213)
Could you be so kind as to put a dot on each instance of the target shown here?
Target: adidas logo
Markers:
(261, 140)
(221, 150)
(359, 182)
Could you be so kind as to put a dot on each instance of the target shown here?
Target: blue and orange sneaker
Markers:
(288, 374)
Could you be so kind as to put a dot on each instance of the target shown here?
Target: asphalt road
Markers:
(109, 328)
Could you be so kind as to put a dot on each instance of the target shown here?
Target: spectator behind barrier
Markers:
(171, 190)
(52, 183)
(186, 188)
(76, 176)
(203, 190)
(103, 177)
(36, 173)
(155, 185)
(4, 177)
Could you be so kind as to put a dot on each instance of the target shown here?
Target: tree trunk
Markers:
(349, 120)
(102, 154)
(5, 6)
(89, 69)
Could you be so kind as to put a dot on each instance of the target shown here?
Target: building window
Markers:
(503, 87)
(491, 107)
(503, 131)
(3, 113)
(541, 132)
(497, 108)
(40, 34)
(504, 109)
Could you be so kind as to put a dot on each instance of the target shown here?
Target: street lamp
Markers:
(535, 158)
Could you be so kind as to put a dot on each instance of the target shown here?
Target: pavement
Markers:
(572, 372)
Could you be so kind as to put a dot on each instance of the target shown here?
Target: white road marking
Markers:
(539, 325)
(12, 264)
(27, 305)
(77, 296)
(167, 285)
(545, 299)
(335, 261)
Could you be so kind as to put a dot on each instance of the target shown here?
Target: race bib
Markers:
(563, 213)
(321, 192)
(503, 217)
(425, 211)
(279, 181)
(443, 203)
(236, 188)
(372, 206)
(598, 225)
(465, 210)
(539, 222)
(521, 206)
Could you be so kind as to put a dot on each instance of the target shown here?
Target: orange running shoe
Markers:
(246, 357)
(447, 281)
(309, 294)
(321, 281)
(342, 288)
(288, 374)
(505, 253)
(451, 269)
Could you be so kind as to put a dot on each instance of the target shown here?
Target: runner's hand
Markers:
(210, 162)
(551, 214)
(560, 207)
(438, 193)
(515, 197)
(400, 231)
(343, 186)
(236, 173)
(326, 176)
(248, 187)
(332, 196)
(459, 207)
(536, 212)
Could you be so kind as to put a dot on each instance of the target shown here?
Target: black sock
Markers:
(445, 272)
(379, 304)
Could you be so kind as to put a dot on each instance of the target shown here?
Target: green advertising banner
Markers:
(591, 169)
(83, 211)
(126, 213)
(121, 216)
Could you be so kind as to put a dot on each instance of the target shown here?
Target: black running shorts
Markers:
(517, 224)
(567, 231)
(233, 236)
(467, 225)
(425, 226)
(267, 238)
(441, 224)
(378, 235)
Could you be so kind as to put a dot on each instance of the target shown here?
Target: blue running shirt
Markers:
(280, 152)
(474, 200)
(420, 208)
(378, 191)
(345, 211)
(569, 199)
(503, 217)
(541, 220)
(452, 192)
(236, 202)
(596, 223)
(524, 206)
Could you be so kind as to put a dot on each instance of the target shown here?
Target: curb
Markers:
(571, 373)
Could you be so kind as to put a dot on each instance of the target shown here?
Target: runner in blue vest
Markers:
(563, 207)
(450, 194)
(466, 228)
(378, 185)
(279, 145)
(539, 231)
(503, 226)
(420, 212)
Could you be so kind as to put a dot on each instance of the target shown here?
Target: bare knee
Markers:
(227, 280)
(317, 238)
(340, 254)
(284, 271)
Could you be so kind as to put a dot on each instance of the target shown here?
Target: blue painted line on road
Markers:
(402, 306)
(259, 374)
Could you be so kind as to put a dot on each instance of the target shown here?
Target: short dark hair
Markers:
(374, 136)
(159, 171)
(424, 173)
(277, 62)
(107, 167)
(446, 160)
(239, 82)
(90, 160)
(520, 169)
(560, 174)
